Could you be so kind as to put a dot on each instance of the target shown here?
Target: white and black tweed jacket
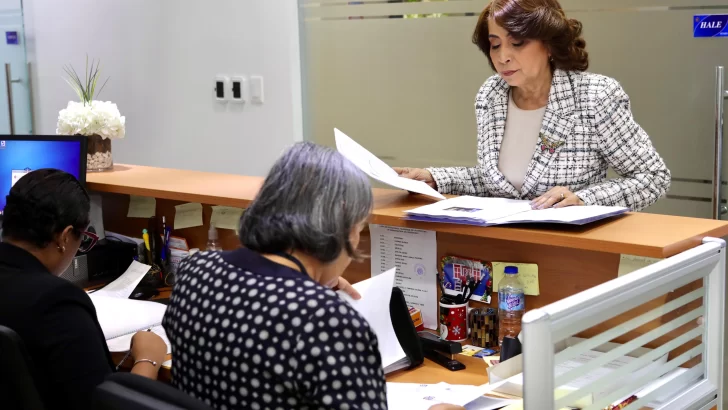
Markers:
(587, 127)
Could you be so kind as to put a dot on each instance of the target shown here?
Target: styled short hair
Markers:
(543, 20)
(42, 204)
(310, 201)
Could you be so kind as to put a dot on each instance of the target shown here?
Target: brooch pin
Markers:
(548, 145)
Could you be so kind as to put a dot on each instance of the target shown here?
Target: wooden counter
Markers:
(569, 259)
(641, 234)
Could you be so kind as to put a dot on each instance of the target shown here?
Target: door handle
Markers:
(720, 96)
(9, 86)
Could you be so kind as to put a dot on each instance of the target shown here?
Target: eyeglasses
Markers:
(88, 241)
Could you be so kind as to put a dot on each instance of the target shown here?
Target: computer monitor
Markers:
(21, 154)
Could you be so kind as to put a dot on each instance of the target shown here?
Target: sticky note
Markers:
(527, 273)
(226, 217)
(187, 215)
(142, 207)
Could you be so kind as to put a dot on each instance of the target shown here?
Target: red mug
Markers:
(454, 322)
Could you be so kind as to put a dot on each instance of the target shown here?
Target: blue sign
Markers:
(11, 37)
(712, 25)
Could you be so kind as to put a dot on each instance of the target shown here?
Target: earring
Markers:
(62, 249)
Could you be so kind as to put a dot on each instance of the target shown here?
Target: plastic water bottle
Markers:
(511, 304)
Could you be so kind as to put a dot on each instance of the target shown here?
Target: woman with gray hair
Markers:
(260, 327)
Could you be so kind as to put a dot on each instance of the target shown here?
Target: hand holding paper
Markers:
(377, 169)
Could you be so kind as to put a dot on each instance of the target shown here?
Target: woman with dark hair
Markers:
(44, 224)
(547, 129)
(261, 327)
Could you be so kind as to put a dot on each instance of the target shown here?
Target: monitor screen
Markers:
(20, 155)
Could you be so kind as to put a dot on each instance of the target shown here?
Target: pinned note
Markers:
(527, 273)
(142, 207)
(226, 217)
(187, 215)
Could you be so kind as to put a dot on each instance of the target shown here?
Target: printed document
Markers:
(415, 396)
(378, 169)
(414, 253)
(125, 284)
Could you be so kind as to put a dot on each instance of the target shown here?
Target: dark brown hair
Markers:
(543, 20)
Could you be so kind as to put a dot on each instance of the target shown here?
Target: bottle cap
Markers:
(511, 270)
(212, 233)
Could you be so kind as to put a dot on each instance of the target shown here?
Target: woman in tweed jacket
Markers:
(583, 122)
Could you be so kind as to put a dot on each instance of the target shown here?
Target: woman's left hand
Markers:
(346, 287)
(557, 197)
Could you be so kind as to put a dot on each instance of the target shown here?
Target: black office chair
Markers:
(17, 384)
(127, 391)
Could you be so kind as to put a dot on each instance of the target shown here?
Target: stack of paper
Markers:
(377, 169)
(471, 210)
(120, 318)
(374, 307)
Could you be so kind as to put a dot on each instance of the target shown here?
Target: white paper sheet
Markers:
(123, 343)
(124, 285)
(413, 396)
(414, 253)
(374, 307)
(378, 169)
(121, 317)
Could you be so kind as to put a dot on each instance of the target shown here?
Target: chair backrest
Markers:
(654, 338)
(127, 391)
(17, 384)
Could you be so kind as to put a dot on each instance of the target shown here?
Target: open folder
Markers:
(377, 169)
(471, 210)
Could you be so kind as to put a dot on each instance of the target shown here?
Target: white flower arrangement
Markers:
(100, 118)
(89, 117)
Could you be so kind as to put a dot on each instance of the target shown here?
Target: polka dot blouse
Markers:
(248, 333)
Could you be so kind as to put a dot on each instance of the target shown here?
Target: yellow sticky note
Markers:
(527, 273)
(187, 215)
(226, 217)
(142, 207)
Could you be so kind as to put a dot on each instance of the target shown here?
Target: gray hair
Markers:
(310, 201)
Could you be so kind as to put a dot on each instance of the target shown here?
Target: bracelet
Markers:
(147, 361)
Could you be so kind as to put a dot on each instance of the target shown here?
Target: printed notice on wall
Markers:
(414, 253)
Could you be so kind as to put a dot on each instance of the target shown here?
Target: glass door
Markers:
(15, 88)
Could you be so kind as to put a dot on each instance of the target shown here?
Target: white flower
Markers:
(98, 118)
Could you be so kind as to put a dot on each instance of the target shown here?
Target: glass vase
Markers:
(99, 158)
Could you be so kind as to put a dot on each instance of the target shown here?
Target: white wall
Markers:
(9, 5)
(162, 57)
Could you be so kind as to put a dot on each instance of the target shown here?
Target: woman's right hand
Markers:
(418, 174)
(148, 345)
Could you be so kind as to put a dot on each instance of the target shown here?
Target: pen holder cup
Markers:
(454, 322)
(483, 327)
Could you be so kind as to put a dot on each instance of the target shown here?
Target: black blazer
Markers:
(57, 322)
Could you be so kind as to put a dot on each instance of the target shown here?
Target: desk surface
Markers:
(640, 234)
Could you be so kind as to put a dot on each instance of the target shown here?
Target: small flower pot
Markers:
(99, 158)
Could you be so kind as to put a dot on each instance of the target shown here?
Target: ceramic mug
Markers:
(454, 322)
